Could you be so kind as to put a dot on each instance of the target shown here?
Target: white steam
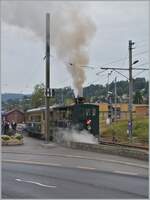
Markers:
(75, 136)
(71, 30)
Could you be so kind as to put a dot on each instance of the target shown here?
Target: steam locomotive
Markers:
(80, 116)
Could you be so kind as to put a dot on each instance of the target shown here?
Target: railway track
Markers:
(124, 145)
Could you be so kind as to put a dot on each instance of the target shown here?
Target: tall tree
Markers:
(138, 99)
(38, 99)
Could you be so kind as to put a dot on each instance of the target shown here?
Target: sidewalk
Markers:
(36, 146)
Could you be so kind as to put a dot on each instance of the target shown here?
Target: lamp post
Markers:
(47, 81)
(115, 99)
(109, 100)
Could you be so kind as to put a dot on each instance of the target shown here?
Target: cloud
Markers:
(116, 23)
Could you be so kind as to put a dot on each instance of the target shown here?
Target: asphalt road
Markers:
(32, 171)
(35, 181)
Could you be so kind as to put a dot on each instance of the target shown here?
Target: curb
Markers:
(49, 145)
(110, 149)
(13, 143)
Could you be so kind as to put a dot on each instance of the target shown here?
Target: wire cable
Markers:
(138, 73)
(140, 53)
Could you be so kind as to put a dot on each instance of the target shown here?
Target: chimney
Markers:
(80, 99)
(80, 92)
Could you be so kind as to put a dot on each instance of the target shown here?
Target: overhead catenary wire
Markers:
(89, 83)
(138, 73)
(142, 64)
(143, 40)
(121, 74)
(100, 72)
(141, 46)
(140, 53)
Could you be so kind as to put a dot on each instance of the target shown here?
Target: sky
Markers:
(108, 27)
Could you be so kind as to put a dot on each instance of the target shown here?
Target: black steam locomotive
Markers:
(80, 116)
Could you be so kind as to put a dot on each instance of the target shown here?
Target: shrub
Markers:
(18, 136)
(119, 130)
(5, 137)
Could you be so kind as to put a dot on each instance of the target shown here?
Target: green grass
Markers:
(119, 130)
(140, 130)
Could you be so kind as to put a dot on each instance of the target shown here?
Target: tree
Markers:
(38, 98)
(138, 99)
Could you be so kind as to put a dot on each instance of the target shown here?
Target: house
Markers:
(2, 115)
(142, 110)
(17, 115)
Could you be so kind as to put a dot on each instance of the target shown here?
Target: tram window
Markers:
(43, 115)
(36, 118)
(64, 114)
(88, 112)
(93, 111)
(51, 114)
(68, 114)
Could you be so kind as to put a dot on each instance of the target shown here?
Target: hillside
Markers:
(12, 96)
(92, 93)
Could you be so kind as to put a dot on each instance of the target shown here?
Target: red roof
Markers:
(13, 110)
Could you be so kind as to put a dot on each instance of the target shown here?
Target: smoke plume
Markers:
(71, 31)
(64, 135)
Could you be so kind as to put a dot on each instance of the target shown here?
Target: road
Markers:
(32, 181)
(34, 172)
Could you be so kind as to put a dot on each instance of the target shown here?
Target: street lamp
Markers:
(136, 61)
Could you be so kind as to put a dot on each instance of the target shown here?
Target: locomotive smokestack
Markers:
(80, 92)
(80, 99)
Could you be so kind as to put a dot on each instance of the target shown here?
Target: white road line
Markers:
(89, 158)
(36, 183)
(31, 162)
(125, 163)
(127, 173)
(84, 167)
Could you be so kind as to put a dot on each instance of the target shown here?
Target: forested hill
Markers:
(13, 96)
(140, 85)
(93, 93)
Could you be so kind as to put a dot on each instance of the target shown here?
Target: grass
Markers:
(119, 130)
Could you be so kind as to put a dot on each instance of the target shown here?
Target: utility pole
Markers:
(47, 81)
(130, 122)
(62, 98)
(109, 102)
(115, 99)
(108, 84)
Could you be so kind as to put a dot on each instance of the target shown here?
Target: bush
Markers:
(5, 137)
(119, 130)
(18, 136)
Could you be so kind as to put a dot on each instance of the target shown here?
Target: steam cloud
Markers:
(73, 135)
(71, 31)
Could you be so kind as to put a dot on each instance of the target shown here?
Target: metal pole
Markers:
(108, 84)
(130, 123)
(47, 75)
(109, 101)
(115, 100)
(62, 97)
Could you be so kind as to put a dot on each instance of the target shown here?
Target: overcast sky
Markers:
(23, 41)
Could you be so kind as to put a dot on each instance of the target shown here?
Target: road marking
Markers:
(31, 162)
(84, 167)
(127, 173)
(36, 183)
(85, 157)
